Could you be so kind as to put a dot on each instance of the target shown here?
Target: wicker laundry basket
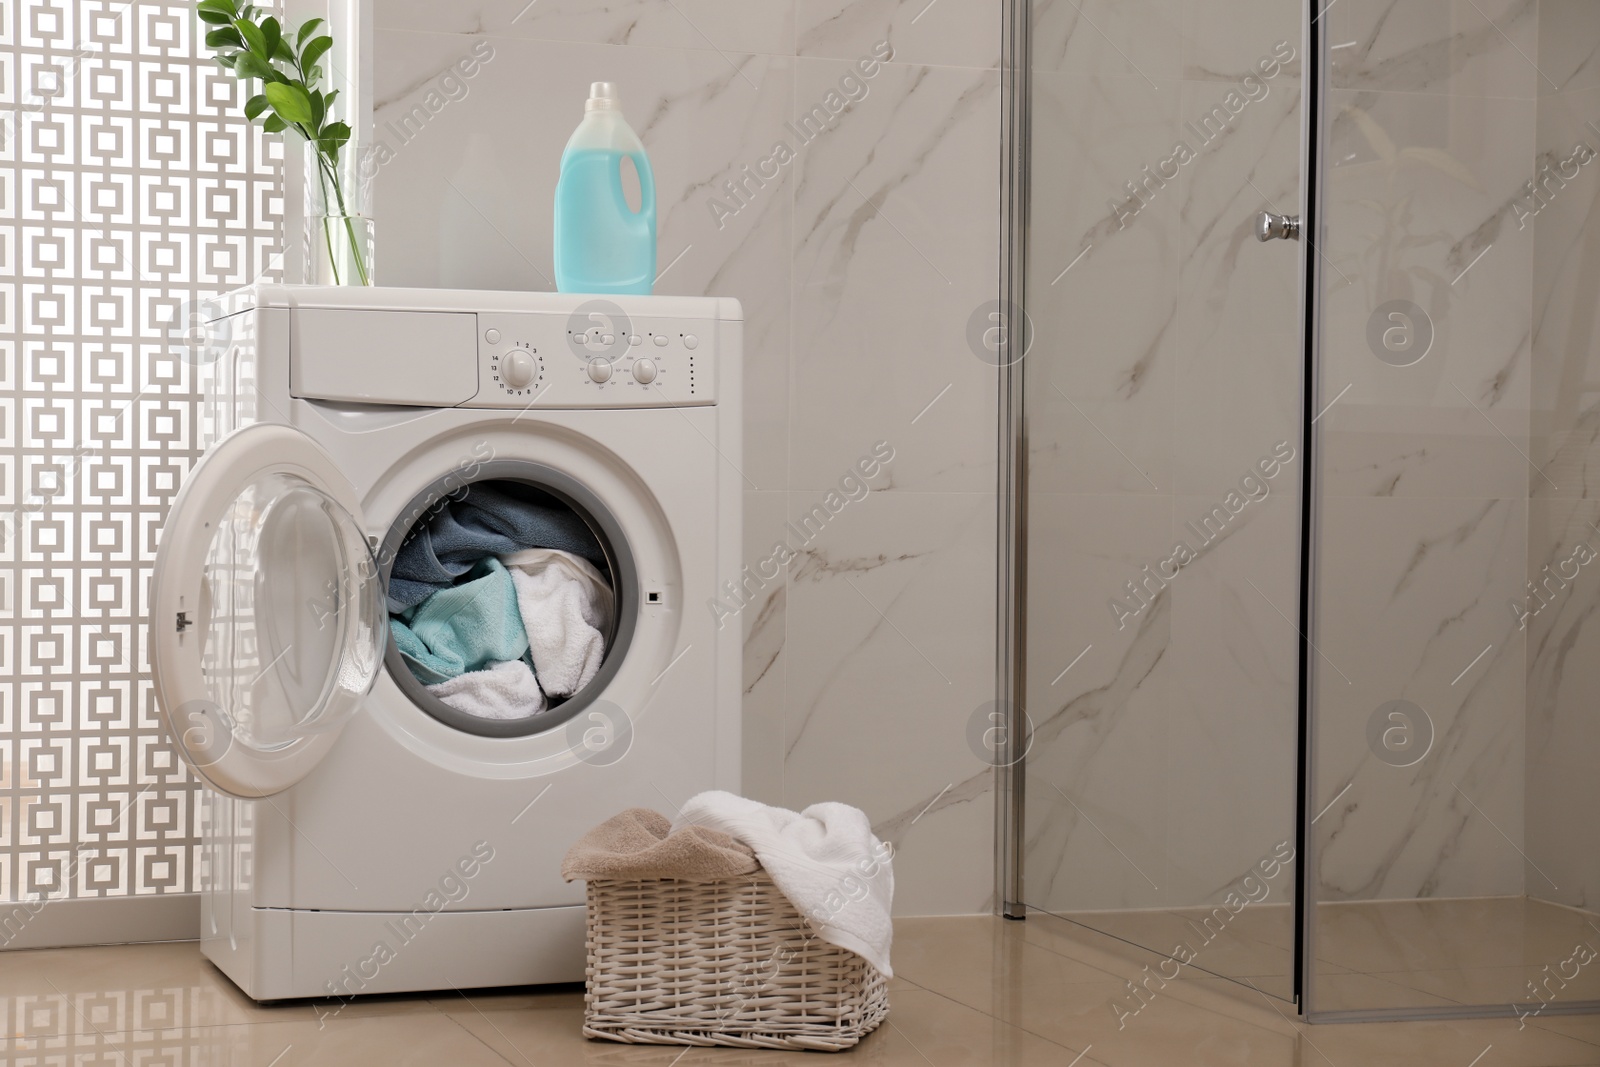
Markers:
(721, 963)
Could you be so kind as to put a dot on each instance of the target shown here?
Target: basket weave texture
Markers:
(721, 963)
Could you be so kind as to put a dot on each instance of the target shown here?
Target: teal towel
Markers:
(463, 627)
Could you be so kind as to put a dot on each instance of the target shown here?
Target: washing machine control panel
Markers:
(596, 360)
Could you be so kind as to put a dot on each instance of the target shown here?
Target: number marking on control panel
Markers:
(519, 371)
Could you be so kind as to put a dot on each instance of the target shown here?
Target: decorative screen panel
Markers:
(131, 187)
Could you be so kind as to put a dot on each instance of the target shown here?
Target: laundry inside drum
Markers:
(502, 600)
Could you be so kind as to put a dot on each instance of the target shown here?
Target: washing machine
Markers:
(359, 834)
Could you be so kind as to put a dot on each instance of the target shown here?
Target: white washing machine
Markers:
(359, 834)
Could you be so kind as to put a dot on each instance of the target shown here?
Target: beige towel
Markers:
(641, 843)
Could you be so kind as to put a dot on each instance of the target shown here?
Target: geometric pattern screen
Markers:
(131, 188)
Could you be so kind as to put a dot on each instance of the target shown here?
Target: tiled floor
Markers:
(1388, 954)
(968, 991)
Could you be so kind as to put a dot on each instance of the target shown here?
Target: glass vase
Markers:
(339, 228)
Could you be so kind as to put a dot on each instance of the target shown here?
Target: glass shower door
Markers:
(1163, 392)
(1455, 864)
(1426, 602)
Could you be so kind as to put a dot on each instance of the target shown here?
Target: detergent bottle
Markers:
(601, 244)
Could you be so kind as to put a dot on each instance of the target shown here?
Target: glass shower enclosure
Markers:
(1302, 657)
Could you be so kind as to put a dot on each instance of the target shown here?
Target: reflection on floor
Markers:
(1389, 954)
(1492, 950)
(969, 991)
(1254, 944)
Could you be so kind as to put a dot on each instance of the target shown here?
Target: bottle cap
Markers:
(603, 96)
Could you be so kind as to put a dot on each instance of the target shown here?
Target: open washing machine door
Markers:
(268, 623)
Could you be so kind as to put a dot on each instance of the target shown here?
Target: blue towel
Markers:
(462, 628)
(491, 519)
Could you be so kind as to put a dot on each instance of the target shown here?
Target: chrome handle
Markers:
(1280, 227)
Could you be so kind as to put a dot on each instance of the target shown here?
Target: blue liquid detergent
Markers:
(601, 244)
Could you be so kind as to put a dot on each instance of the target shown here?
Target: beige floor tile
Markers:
(1337, 992)
(1128, 960)
(1455, 1042)
(35, 1014)
(333, 1010)
(396, 1041)
(979, 960)
(1010, 974)
(989, 970)
(1216, 1021)
(1257, 941)
(1464, 952)
(1501, 985)
(922, 1028)
(535, 998)
(1367, 992)
(971, 990)
(1183, 1022)
(972, 969)
(1400, 935)
(529, 1026)
(1263, 965)
(1585, 1028)
(1005, 975)
(1076, 941)
(145, 987)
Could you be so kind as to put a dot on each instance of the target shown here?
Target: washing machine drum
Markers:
(511, 597)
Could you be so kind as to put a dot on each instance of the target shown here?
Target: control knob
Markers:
(517, 369)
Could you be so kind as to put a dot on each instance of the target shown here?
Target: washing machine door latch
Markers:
(183, 621)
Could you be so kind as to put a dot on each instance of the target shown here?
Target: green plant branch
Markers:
(254, 46)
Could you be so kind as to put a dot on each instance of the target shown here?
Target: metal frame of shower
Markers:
(1012, 602)
(1012, 606)
(1314, 85)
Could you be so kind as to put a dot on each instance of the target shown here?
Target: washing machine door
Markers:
(268, 622)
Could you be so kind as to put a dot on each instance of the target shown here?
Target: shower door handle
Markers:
(1280, 227)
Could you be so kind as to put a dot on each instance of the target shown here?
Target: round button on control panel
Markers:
(644, 371)
(518, 369)
(599, 370)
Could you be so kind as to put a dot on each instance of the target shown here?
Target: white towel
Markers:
(566, 605)
(501, 691)
(825, 860)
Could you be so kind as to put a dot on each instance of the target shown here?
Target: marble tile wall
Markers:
(859, 267)
(1563, 736)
